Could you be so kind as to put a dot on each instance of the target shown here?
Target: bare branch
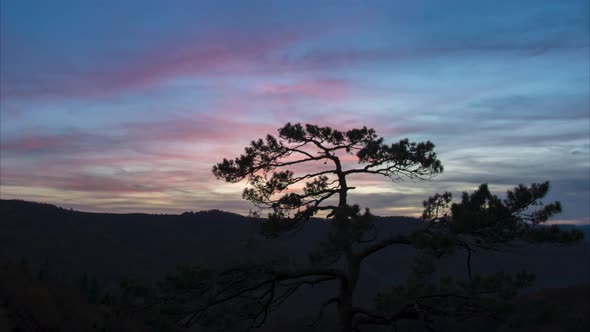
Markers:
(368, 251)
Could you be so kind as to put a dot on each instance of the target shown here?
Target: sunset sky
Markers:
(124, 106)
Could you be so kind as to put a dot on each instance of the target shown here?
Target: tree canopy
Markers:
(265, 164)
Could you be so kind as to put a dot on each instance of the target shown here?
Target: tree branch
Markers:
(368, 251)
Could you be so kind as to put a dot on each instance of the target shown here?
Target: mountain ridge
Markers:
(112, 246)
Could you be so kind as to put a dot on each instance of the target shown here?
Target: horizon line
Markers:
(575, 222)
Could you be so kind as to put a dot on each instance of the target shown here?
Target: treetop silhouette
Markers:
(264, 165)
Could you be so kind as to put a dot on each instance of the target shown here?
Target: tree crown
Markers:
(265, 164)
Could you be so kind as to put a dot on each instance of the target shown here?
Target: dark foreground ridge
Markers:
(112, 245)
(108, 247)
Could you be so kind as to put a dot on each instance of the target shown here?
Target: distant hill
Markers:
(145, 245)
(67, 244)
(584, 228)
(112, 245)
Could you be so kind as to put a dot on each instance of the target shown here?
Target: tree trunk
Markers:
(347, 289)
(348, 286)
(345, 310)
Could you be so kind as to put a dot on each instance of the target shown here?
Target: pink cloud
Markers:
(329, 90)
(48, 178)
(33, 143)
(84, 180)
(66, 142)
(220, 53)
(213, 130)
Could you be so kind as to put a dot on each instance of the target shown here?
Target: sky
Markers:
(124, 106)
